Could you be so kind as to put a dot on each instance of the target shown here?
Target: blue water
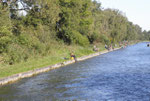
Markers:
(122, 75)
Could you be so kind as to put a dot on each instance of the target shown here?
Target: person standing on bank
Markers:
(73, 57)
(4, 3)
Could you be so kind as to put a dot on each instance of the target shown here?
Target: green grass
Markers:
(55, 56)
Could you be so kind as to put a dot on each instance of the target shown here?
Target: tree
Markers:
(5, 30)
(74, 20)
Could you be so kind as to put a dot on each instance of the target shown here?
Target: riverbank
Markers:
(31, 73)
(57, 54)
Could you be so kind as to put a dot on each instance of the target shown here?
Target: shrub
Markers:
(5, 38)
(79, 39)
(104, 39)
(15, 53)
(93, 37)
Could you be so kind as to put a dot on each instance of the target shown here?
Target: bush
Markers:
(77, 38)
(5, 38)
(25, 39)
(104, 39)
(32, 43)
(15, 53)
(29, 20)
(93, 37)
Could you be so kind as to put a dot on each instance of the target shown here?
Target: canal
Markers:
(122, 75)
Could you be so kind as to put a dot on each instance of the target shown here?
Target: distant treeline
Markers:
(48, 22)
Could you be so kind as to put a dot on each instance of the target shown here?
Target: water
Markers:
(122, 75)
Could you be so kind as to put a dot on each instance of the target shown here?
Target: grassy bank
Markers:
(57, 55)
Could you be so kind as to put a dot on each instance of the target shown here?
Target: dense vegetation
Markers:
(51, 25)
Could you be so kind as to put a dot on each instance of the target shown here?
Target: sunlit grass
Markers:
(57, 55)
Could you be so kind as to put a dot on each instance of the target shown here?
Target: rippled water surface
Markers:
(122, 75)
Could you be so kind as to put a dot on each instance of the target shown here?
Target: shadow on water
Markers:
(122, 75)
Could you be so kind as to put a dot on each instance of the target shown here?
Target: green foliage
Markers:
(94, 37)
(75, 22)
(15, 53)
(5, 31)
(5, 38)
(31, 21)
(104, 39)
(53, 22)
(145, 35)
(28, 41)
(77, 38)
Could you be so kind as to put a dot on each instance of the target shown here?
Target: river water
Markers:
(122, 75)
